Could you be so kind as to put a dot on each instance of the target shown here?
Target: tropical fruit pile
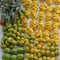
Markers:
(32, 33)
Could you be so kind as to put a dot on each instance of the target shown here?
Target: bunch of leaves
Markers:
(11, 10)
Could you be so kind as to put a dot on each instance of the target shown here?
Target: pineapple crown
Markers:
(11, 10)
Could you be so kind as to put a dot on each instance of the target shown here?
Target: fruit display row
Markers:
(57, 2)
(31, 33)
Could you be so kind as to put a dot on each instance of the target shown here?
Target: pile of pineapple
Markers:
(33, 35)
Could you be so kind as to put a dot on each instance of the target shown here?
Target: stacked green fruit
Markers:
(33, 48)
(6, 56)
(13, 54)
(13, 36)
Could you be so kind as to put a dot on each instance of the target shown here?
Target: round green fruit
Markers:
(32, 41)
(19, 29)
(27, 37)
(7, 50)
(9, 39)
(18, 33)
(11, 46)
(22, 35)
(8, 25)
(21, 43)
(20, 57)
(20, 50)
(27, 49)
(11, 29)
(13, 57)
(3, 46)
(30, 57)
(4, 38)
(6, 56)
(9, 34)
(14, 51)
(13, 42)
(57, 52)
(44, 58)
(18, 21)
(6, 42)
(15, 31)
(32, 37)
(19, 25)
(52, 48)
(18, 38)
(14, 35)
(14, 25)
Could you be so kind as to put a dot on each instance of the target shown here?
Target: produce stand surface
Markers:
(1, 35)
